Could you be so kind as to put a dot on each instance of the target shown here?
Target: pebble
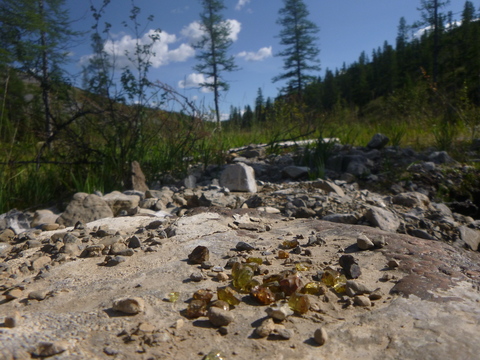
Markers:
(46, 349)
(197, 276)
(283, 333)
(134, 242)
(393, 264)
(362, 301)
(220, 317)
(320, 336)
(266, 328)
(38, 295)
(221, 276)
(243, 246)
(279, 313)
(14, 294)
(13, 321)
(364, 243)
(199, 255)
(133, 305)
(50, 227)
(112, 261)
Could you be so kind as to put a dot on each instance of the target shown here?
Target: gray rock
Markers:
(378, 141)
(320, 336)
(133, 305)
(190, 182)
(85, 208)
(364, 243)
(412, 199)
(121, 202)
(361, 300)
(440, 157)
(239, 177)
(47, 349)
(341, 218)
(45, 216)
(15, 220)
(328, 186)
(295, 172)
(382, 218)
(471, 237)
(219, 317)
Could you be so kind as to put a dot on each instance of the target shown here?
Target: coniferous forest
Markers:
(56, 139)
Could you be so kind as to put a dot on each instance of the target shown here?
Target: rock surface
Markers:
(121, 287)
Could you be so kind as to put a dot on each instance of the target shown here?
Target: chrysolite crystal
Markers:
(302, 266)
(263, 295)
(312, 288)
(290, 284)
(173, 296)
(229, 295)
(196, 308)
(203, 294)
(299, 303)
(255, 260)
(283, 254)
(215, 355)
(290, 244)
(242, 277)
(334, 279)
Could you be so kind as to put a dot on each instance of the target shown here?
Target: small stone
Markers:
(40, 262)
(46, 349)
(196, 308)
(197, 276)
(320, 336)
(221, 276)
(364, 243)
(206, 265)
(13, 321)
(285, 334)
(14, 294)
(350, 266)
(113, 261)
(392, 264)
(266, 328)
(134, 242)
(376, 295)
(38, 295)
(279, 313)
(219, 317)
(362, 301)
(132, 305)
(243, 246)
(199, 255)
(379, 242)
(50, 227)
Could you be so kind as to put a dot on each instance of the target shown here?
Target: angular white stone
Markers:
(239, 177)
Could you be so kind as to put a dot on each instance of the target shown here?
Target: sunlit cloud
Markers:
(194, 32)
(260, 55)
(241, 4)
(161, 52)
(194, 80)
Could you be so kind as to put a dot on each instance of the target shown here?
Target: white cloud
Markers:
(194, 32)
(193, 81)
(260, 55)
(241, 4)
(162, 53)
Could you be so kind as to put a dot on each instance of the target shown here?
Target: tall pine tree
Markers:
(214, 45)
(298, 35)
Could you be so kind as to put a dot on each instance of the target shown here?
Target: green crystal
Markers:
(313, 288)
(283, 254)
(228, 295)
(242, 277)
(299, 303)
(302, 266)
(334, 279)
(263, 295)
(173, 296)
(290, 244)
(255, 260)
(215, 355)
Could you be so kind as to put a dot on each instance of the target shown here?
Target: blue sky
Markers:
(347, 27)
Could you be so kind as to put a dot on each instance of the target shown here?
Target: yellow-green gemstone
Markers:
(228, 295)
(173, 296)
(299, 303)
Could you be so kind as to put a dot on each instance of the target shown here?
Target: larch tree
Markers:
(432, 18)
(298, 35)
(213, 58)
(37, 35)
